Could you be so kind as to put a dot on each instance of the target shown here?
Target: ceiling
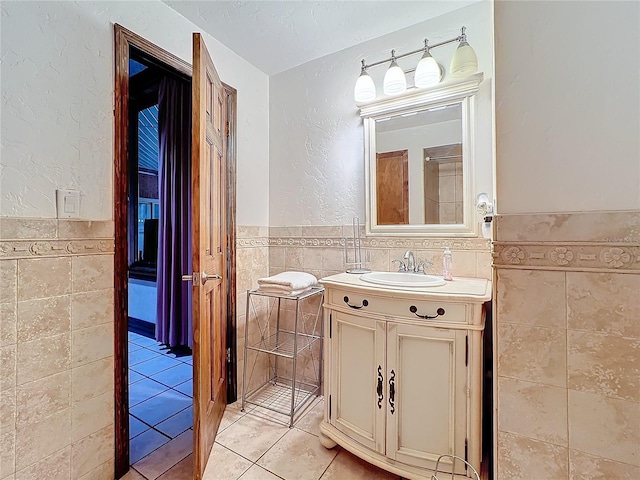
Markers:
(276, 35)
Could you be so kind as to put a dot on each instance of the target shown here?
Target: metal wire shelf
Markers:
(283, 394)
(283, 343)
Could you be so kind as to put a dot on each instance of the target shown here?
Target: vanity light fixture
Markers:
(365, 89)
(394, 80)
(427, 73)
(464, 61)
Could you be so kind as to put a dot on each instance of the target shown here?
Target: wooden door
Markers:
(357, 378)
(209, 253)
(392, 188)
(429, 413)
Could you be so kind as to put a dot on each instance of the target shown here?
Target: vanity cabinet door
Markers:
(426, 415)
(357, 378)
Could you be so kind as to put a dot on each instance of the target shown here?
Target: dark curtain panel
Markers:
(174, 227)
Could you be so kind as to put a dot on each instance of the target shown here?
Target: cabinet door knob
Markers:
(413, 309)
(364, 303)
(379, 386)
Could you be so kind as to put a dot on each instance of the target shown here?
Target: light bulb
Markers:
(464, 61)
(427, 71)
(394, 80)
(365, 89)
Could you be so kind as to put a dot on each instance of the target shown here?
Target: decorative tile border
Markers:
(588, 241)
(472, 244)
(14, 249)
(568, 256)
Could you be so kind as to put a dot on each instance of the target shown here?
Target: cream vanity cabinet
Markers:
(401, 390)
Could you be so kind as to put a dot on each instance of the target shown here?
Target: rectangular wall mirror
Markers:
(419, 162)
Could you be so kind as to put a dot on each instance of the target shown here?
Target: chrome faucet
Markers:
(408, 264)
(410, 261)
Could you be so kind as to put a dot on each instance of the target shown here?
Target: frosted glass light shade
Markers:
(365, 89)
(428, 72)
(394, 80)
(464, 61)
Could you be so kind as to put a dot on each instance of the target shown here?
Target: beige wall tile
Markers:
(85, 229)
(483, 267)
(333, 259)
(293, 231)
(8, 327)
(583, 227)
(8, 366)
(7, 453)
(531, 298)
(606, 427)
(91, 308)
(89, 416)
(54, 467)
(583, 466)
(8, 281)
(91, 452)
(43, 398)
(93, 272)
(521, 458)
(103, 472)
(43, 277)
(294, 259)
(91, 344)
(92, 379)
(7, 409)
(43, 357)
(38, 440)
(44, 317)
(533, 410)
(534, 354)
(321, 230)
(312, 258)
(604, 364)
(276, 256)
(27, 228)
(604, 302)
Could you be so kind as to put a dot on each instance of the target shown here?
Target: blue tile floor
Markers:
(160, 399)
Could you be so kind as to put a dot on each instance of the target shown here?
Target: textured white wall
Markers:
(316, 139)
(567, 106)
(57, 102)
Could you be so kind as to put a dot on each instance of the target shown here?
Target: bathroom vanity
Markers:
(403, 373)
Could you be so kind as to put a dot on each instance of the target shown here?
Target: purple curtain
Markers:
(174, 225)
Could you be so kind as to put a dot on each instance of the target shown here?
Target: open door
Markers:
(209, 253)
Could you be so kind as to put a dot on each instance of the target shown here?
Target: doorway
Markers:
(140, 69)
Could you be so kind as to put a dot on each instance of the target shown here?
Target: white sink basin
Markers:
(403, 279)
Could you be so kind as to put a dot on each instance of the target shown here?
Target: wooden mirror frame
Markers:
(415, 100)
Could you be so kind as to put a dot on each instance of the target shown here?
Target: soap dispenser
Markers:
(447, 265)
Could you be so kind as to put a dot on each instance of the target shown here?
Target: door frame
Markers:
(123, 40)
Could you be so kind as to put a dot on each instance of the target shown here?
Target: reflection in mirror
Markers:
(419, 167)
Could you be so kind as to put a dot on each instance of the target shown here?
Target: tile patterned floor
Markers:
(256, 444)
(160, 410)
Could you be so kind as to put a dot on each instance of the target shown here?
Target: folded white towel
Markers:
(279, 290)
(289, 280)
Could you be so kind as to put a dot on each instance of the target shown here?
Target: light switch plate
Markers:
(68, 203)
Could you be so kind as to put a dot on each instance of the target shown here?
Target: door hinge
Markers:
(330, 324)
(329, 407)
(466, 351)
(226, 129)
(229, 355)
